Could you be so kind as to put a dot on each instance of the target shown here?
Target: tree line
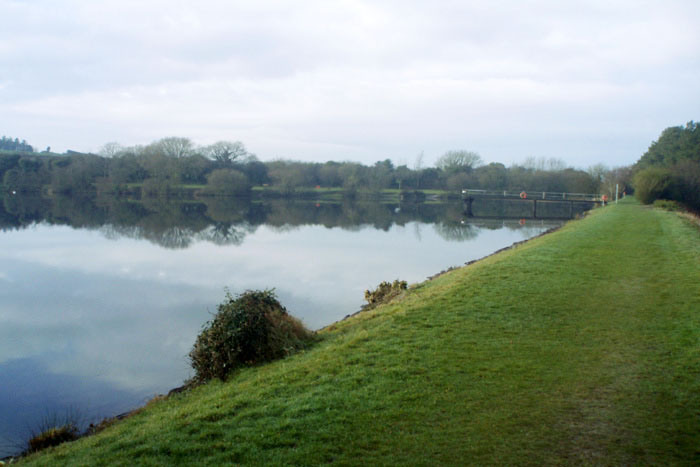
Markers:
(164, 167)
(670, 168)
(9, 144)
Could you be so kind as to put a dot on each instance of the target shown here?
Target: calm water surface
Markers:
(100, 304)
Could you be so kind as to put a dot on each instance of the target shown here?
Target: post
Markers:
(617, 190)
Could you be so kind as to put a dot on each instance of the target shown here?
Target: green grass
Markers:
(579, 347)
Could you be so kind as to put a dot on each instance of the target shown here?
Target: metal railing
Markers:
(536, 195)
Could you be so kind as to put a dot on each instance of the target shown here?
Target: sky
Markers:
(586, 82)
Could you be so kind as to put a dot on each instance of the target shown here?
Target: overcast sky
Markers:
(587, 81)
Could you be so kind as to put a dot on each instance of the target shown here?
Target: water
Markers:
(101, 301)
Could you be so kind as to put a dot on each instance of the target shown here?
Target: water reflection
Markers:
(24, 404)
(101, 300)
(228, 221)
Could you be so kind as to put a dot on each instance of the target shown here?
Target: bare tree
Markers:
(459, 161)
(597, 173)
(175, 147)
(418, 163)
(418, 167)
(226, 152)
(542, 163)
(111, 149)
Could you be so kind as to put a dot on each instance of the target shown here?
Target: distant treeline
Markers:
(9, 144)
(670, 169)
(167, 166)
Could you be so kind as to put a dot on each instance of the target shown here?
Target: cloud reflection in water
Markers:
(105, 320)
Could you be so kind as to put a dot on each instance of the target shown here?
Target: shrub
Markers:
(668, 205)
(226, 182)
(249, 329)
(384, 292)
(53, 437)
(651, 184)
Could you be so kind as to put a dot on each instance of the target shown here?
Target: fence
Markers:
(546, 195)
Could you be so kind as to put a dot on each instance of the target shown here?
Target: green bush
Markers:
(249, 329)
(652, 184)
(226, 182)
(668, 205)
(384, 292)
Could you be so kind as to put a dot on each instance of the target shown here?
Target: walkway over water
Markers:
(532, 205)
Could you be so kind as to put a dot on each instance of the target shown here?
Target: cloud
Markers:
(368, 79)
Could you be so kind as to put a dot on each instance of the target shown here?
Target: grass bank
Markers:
(582, 346)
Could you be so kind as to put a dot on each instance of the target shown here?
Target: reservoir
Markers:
(101, 300)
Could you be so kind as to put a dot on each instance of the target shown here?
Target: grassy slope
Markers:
(582, 346)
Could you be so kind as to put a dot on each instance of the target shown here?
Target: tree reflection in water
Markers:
(177, 224)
